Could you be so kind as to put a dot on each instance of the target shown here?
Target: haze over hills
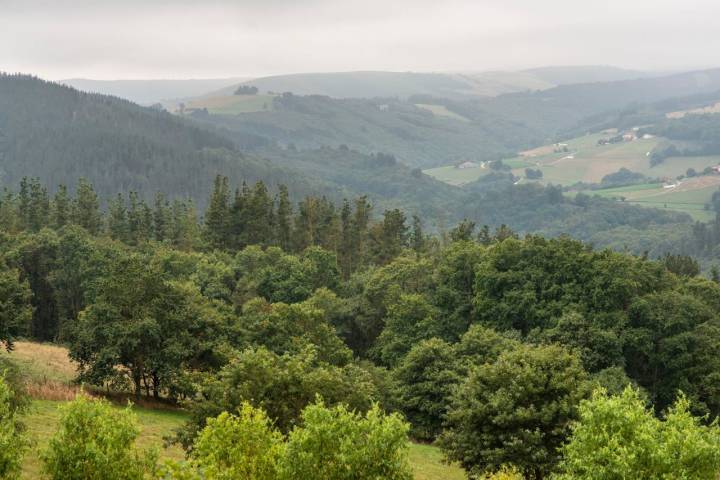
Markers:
(149, 91)
(440, 84)
(59, 134)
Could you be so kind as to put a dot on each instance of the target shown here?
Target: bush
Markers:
(12, 441)
(96, 441)
(617, 437)
(244, 446)
(337, 444)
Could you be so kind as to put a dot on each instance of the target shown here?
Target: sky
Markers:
(127, 39)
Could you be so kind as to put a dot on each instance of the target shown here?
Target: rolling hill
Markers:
(150, 91)
(456, 85)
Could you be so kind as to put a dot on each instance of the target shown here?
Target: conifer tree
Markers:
(283, 219)
(86, 208)
(61, 207)
(217, 215)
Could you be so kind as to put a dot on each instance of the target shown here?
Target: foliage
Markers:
(338, 444)
(15, 309)
(96, 441)
(282, 385)
(617, 437)
(230, 446)
(12, 441)
(515, 411)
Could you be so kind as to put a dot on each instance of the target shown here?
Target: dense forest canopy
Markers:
(265, 296)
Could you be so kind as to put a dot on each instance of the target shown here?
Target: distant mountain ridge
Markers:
(369, 84)
(147, 92)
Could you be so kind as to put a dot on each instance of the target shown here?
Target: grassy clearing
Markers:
(457, 176)
(690, 195)
(43, 417)
(47, 366)
(234, 104)
(441, 111)
(427, 464)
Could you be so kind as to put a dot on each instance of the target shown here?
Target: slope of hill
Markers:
(59, 134)
(571, 74)
(147, 92)
(415, 134)
(446, 84)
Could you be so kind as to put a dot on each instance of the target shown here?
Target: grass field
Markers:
(43, 416)
(234, 104)
(441, 111)
(457, 176)
(586, 161)
(689, 196)
(49, 371)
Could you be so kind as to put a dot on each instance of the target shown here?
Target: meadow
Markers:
(49, 372)
(234, 104)
(586, 161)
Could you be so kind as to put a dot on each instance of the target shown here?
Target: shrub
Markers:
(337, 444)
(96, 441)
(12, 441)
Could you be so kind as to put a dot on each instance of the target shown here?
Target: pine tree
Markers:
(283, 219)
(61, 207)
(117, 222)
(417, 237)
(86, 208)
(161, 218)
(217, 215)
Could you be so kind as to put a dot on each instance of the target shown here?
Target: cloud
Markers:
(183, 38)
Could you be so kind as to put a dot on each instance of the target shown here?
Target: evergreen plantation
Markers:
(320, 337)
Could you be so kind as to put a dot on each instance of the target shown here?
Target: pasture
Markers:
(441, 111)
(49, 372)
(233, 104)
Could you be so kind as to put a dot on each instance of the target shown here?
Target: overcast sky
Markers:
(113, 39)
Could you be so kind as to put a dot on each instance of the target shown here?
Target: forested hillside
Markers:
(378, 329)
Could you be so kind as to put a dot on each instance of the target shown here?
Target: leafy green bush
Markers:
(617, 437)
(244, 446)
(338, 444)
(12, 441)
(96, 441)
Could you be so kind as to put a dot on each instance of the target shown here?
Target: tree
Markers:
(283, 227)
(617, 437)
(234, 446)
(515, 411)
(12, 442)
(339, 444)
(425, 378)
(86, 208)
(217, 215)
(282, 385)
(15, 307)
(95, 440)
(138, 321)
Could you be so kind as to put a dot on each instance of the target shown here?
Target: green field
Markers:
(457, 176)
(233, 104)
(441, 111)
(586, 161)
(690, 196)
(43, 363)
(43, 417)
